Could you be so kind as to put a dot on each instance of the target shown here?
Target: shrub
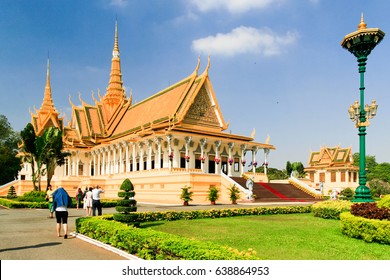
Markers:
(216, 213)
(370, 211)
(384, 202)
(11, 192)
(366, 229)
(234, 194)
(33, 196)
(186, 195)
(347, 194)
(331, 209)
(127, 205)
(213, 194)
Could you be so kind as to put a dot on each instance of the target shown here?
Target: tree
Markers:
(127, 205)
(9, 163)
(273, 173)
(289, 168)
(52, 154)
(29, 151)
(44, 152)
(298, 169)
(370, 162)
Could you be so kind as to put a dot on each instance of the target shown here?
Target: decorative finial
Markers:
(115, 52)
(362, 24)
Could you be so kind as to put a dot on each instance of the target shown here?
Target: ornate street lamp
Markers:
(360, 43)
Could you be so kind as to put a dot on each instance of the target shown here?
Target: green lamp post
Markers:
(360, 43)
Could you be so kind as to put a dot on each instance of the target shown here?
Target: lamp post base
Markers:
(362, 194)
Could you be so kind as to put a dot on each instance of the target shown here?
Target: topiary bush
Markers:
(127, 205)
(11, 192)
(347, 194)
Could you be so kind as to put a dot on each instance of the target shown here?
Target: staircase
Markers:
(276, 192)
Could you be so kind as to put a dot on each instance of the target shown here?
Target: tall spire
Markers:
(47, 115)
(47, 104)
(115, 93)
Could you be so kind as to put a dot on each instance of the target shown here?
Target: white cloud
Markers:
(233, 6)
(245, 40)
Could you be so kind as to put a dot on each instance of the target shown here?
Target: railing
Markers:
(304, 187)
(231, 181)
(9, 184)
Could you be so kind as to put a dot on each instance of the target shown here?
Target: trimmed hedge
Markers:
(15, 203)
(220, 213)
(11, 203)
(384, 202)
(331, 209)
(369, 230)
(152, 245)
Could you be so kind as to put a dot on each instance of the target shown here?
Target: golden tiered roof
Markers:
(188, 107)
(331, 157)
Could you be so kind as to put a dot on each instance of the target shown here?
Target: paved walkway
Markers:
(28, 234)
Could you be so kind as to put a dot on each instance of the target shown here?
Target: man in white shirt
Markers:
(96, 201)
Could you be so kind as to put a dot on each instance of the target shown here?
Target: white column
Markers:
(103, 171)
(242, 163)
(188, 140)
(266, 152)
(217, 166)
(170, 152)
(94, 163)
(141, 156)
(108, 160)
(150, 151)
(203, 142)
(230, 164)
(127, 156)
(134, 158)
(157, 160)
(254, 162)
(99, 163)
(114, 166)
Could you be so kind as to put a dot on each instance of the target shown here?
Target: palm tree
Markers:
(51, 155)
(44, 152)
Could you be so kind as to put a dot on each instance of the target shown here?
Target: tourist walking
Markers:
(96, 204)
(88, 202)
(49, 199)
(79, 197)
(61, 202)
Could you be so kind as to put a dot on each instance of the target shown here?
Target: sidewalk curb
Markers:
(105, 246)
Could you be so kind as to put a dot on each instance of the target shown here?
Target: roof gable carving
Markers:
(328, 157)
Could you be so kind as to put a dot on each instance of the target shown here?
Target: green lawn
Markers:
(279, 237)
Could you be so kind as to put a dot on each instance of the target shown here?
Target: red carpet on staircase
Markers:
(278, 194)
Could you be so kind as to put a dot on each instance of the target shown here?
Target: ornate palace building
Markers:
(172, 139)
(333, 168)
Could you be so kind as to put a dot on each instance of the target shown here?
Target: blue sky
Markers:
(276, 65)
